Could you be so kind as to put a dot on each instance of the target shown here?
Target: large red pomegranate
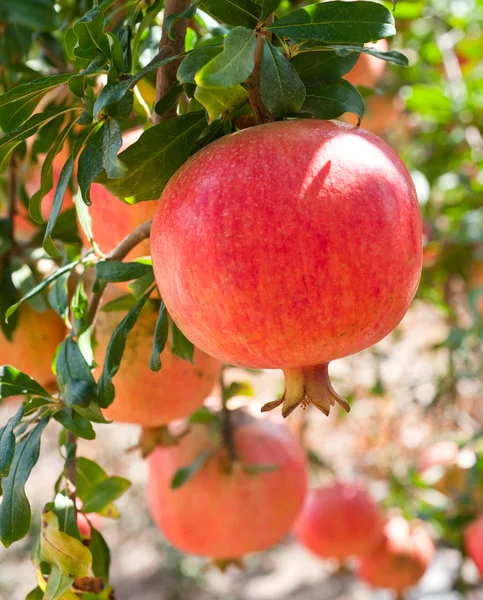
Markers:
(474, 543)
(339, 521)
(113, 219)
(149, 398)
(402, 557)
(288, 245)
(223, 513)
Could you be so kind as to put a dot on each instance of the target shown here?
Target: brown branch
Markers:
(166, 74)
(120, 251)
(260, 111)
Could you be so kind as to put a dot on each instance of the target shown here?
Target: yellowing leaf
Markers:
(218, 101)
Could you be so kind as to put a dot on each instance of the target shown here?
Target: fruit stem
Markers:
(305, 386)
(227, 422)
(260, 111)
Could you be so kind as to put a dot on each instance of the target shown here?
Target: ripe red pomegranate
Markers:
(288, 245)
(368, 70)
(113, 219)
(339, 521)
(226, 514)
(474, 543)
(149, 398)
(402, 557)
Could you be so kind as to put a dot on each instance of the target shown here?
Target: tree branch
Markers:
(166, 74)
(260, 111)
(120, 251)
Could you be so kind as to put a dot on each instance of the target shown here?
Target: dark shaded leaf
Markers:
(160, 338)
(331, 100)
(322, 66)
(60, 190)
(15, 508)
(337, 23)
(8, 296)
(58, 296)
(115, 271)
(268, 7)
(72, 421)
(181, 346)
(74, 375)
(101, 556)
(91, 39)
(184, 474)
(38, 15)
(233, 12)
(169, 99)
(155, 157)
(280, 85)
(7, 442)
(15, 383)
(393, 56)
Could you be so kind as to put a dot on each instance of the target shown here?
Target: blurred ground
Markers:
(383, 431)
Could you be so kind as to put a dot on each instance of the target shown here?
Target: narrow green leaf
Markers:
(115, 271)
(280, 85)
(195, 60)
(111, 143)
(57, 584)
(8, 296)
(184, 474)
(64, 510)
(337, 23)
(234, 64)
(58, 296)
(181, 346)
(72, 421)
(60, 190)
(217, 102)
(322, 66)
(13, 116)
(189, 13)
(99, 496)
(15, 508)
(233, 12)
(140, 286)
(120, 304)
(31, 405)
(7, 442)
(331, 100)
(155, 157)
(393, 56)
(160, 338)
(91, 39)
(169, 99)
(74, 375)
(15, 383)
(115, 351)
(101, 556)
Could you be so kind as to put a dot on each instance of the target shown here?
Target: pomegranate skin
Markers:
(145, 397)
(368, 70)
(288, 244)
(402, 557)
(113, 219)
(339, 521)
(474, 543)
(221, 514)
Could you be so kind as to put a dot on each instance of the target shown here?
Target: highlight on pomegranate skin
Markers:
(286, 246)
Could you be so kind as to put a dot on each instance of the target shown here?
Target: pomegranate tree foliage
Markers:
(302, 55)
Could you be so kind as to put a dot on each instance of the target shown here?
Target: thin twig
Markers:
(120, 251)
(260, 111)
(166, 74)
(12, 197)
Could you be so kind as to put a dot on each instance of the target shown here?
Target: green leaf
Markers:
(217, 102)
(140, 286)
(268, 7)
(64, 509)
(89, 473)
(184, 474)
(331, 100)
(322, 66)
(155, 157)
(195, 60)
(280, 85)
(32, 404)
(15, 508)
(38, 15)
(15, 383)
(111, 143)
(203, 416)
(74, 375)
(115, 271)
(57, 584)
(238, 388)
(58, 548)
(43, 285)
(181, 346)
(253, 469)
(169, 99)
(36, 594)
(337, 23)
(8, 296)
(16, 114)
(60, 190)
(120, 304)
(115, 92)
(160, 338)
(7, 442)
(115, 351)
(58, 296)
(393, 56)
(100, 495)
(101, 557)
(234, 64)
(72, 421)
(170, 20)
(233, 12)
(91, 39)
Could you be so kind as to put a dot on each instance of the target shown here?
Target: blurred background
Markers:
(418, 387)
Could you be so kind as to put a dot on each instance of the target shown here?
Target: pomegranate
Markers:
(401, 558)
(339, 521)
(474, 543)
(368, 70)
(35, 340)
(288, 245)
(113, 219)
(149, 398)
(226, 513)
